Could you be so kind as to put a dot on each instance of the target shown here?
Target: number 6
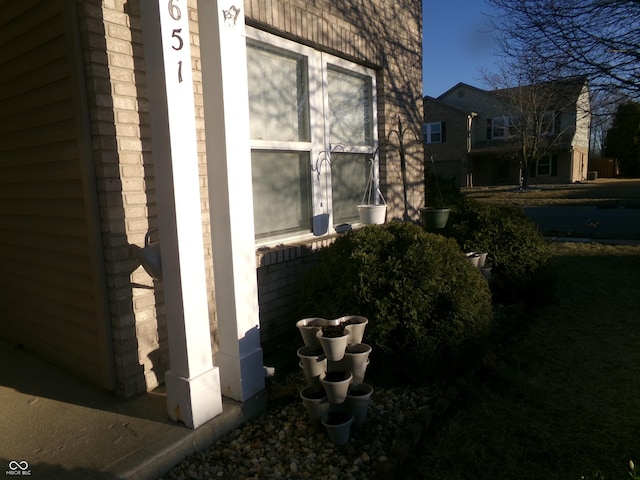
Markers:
(174, 10)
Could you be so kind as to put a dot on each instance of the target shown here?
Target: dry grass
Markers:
(563, 398)
(603, 192)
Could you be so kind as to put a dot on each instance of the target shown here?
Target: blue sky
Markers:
(454, 45)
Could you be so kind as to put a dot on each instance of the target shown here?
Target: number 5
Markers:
(175, 33)
(174, 10)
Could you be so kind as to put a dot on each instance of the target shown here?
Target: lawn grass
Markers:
(602, 193)
(562, 397)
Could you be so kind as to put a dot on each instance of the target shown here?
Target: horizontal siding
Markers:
(47, 287)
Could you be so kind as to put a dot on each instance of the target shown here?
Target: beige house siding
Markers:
(52, 294)
(492, 162)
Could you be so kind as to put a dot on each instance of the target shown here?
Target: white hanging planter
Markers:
(372, 213)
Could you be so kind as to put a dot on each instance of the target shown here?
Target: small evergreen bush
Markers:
(429, 310)
(519, 256)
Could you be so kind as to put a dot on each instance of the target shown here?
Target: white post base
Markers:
(194, 401)
(241, 377)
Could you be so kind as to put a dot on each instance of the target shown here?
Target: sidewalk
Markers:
(64, 428)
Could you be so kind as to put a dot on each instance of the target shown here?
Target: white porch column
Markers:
(226, 106)
(193, 383)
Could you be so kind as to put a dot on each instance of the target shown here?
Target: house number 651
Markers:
(176, 14)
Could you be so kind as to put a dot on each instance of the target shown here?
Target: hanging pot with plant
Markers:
(434, 217)
(370, 211)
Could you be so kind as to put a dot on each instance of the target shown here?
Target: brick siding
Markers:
(379, 34)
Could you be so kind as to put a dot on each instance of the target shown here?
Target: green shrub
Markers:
(519, 256)
(428, 309)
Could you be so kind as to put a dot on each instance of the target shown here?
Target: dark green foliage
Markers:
(517, 253)
(623, 139)
(442, 191)
(427, 307)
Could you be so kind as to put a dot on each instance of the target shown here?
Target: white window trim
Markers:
(548, 166)
(508, 123)
(428, 133)
(319, 145)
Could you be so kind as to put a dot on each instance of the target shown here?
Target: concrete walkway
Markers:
(65, 429)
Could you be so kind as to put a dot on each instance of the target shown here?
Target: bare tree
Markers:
(596, 38)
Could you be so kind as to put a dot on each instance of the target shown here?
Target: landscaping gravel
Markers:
(282, 443)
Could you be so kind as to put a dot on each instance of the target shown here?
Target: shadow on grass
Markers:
(561, 399)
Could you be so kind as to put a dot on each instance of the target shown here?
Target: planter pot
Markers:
(315, 402)
(482, 260)
(313, 363)
(372, 214)
(474, 258)
(357, 360)
(358, 373)
(358, 400)
(486, 273)
(336, 385)
(338, 425)
(354, 326)
(434, 218)
(308, 328)
(333, 347)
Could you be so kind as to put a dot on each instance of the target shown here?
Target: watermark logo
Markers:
(18, 467)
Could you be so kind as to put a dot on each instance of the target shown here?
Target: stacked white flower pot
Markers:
(334, 361)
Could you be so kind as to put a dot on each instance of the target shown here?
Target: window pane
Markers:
(281, 192)
(278, 93)
(350, 108)
(349, 176)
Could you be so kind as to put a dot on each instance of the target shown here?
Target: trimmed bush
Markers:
(428, 309)
(518, 255)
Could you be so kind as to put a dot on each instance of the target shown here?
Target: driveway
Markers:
(591, 222)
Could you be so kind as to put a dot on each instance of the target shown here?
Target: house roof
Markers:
(463, 85)
(574, 86)
(448, 105)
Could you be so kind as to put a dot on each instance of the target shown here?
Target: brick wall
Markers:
(379, 34)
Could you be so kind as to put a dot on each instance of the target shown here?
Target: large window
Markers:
(313, 133)
(502, 127)
(546, 166)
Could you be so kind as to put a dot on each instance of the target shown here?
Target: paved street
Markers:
(591, 222)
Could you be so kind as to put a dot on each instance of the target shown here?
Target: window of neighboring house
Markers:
(545, 166)
(502, 127)
(433, 132)
(550, 123)
(313, 132)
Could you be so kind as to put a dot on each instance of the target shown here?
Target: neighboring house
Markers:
(472, 134)
(82, 179)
